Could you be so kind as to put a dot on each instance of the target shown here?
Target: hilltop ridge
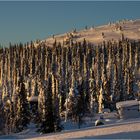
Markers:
(96, 35)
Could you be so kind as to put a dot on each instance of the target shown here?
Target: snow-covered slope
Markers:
(122, 129)
(129, 130)
(130, 29)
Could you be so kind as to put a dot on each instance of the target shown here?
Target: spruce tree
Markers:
(80, 109)
(2, 118)
(47, 121)
(23, 113)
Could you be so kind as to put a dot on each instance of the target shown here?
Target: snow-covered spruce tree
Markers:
(23, 113)
(98, 72)
(40, 104)
(124, 72)
(103, 98)
(34, 106)
(63, 78)
(93, 93)
(9, 116)
(15, 109)
(117, 86)
(105, 82)
(80, 110)
(100, 99)
(110, 82)
(137, 58)
(71, 101)
(120, 72)
(117, 74)
(87, 62)
(47, 118)
(130, 84)
(2, 118)
(67, 75)
(130, 72)
(70, 96)
(75, 103)
(57, 121)
(42, 74)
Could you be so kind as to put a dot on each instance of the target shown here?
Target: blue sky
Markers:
(25, 21)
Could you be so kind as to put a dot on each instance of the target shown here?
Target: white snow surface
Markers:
(127, 103)
(114, 128)
(130, 29)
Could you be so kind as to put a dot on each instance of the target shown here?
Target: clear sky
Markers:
(26, 21)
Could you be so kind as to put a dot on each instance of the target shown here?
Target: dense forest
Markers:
(46, 85)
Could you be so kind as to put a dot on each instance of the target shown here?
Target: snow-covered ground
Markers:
(114, 128)
(121, 130)
(130, 29)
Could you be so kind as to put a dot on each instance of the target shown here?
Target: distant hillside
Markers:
(129, 28)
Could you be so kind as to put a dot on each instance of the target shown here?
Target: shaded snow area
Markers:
(114, 128)
(30, 132)
(96, 35)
